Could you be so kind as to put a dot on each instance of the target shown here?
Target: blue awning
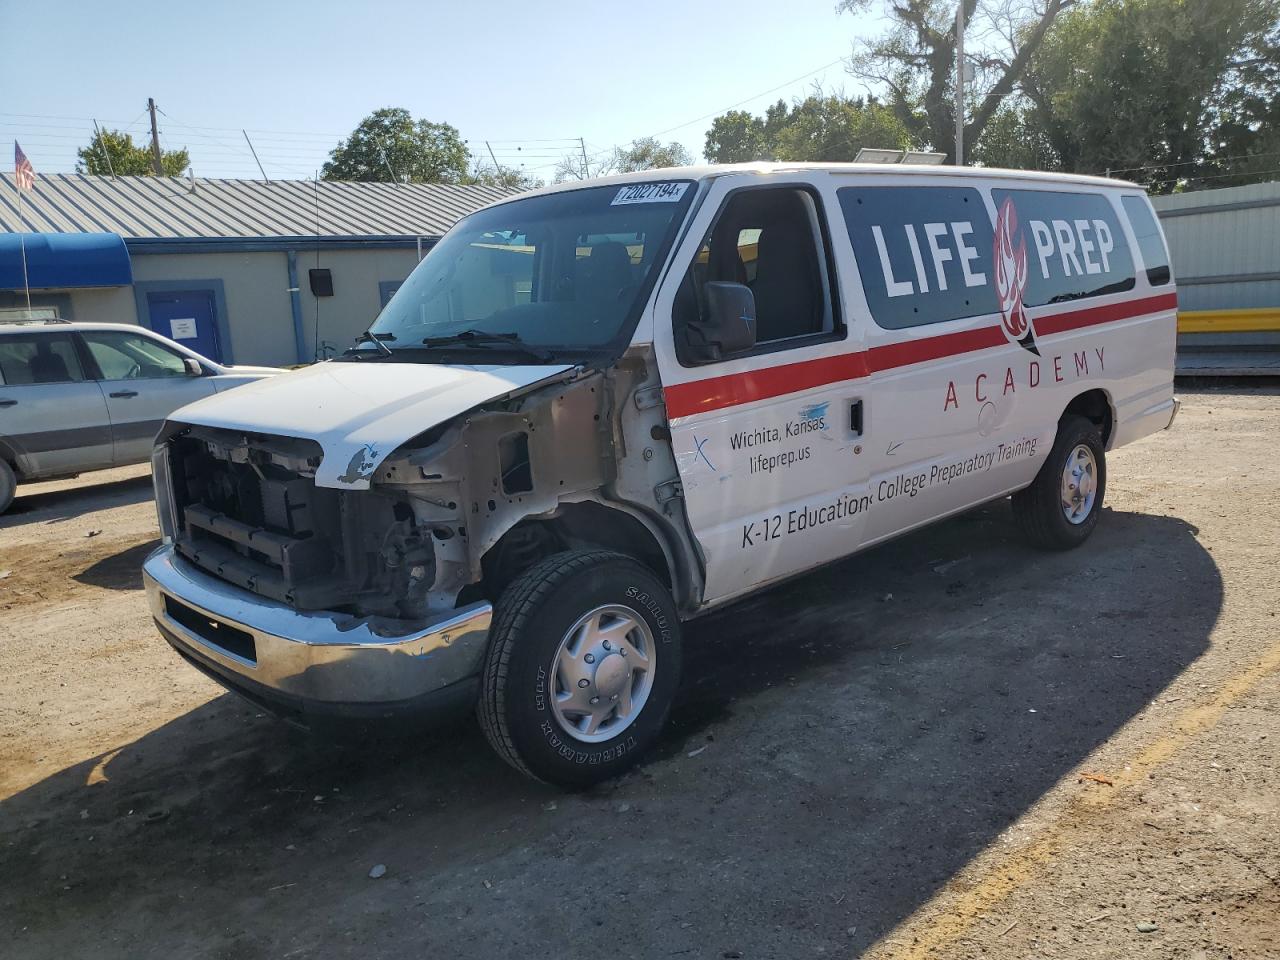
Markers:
(59, 260)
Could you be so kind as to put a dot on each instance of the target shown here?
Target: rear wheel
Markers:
(8, 486)
(1061, 507)
(582, 667)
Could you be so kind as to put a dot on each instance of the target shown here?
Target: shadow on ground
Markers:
(843, 746)
(120, 571)
(69, 502)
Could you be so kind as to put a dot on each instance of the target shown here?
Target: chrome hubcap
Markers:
(603, 673)
(1079, 485)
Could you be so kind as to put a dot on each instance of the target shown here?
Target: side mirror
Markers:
(193, 367)
(729, 324)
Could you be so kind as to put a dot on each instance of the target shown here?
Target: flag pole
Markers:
(22, 242)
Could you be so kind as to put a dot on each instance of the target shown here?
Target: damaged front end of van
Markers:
(352, 573)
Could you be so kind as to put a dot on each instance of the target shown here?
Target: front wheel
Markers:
(8, 486)
(582, 667)
(1061, 507)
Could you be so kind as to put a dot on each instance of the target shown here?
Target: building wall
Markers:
(97, 305)
(355, 301)
(258, 307)
(259, 319)
(1225, 246)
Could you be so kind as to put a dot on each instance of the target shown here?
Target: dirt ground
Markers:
(950, 746)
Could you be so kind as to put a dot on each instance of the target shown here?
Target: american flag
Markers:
(24, 175)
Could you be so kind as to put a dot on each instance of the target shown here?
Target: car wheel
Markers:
(582, 667)
(8, 486)
(1061, 507)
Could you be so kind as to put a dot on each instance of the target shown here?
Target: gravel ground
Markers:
(950, 746)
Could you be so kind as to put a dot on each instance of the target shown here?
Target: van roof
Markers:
(710, 171)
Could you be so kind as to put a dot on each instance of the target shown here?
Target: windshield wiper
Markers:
(480, 338)
(377, 340)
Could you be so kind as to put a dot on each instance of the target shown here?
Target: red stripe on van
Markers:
(1090, 316)
(716, 393)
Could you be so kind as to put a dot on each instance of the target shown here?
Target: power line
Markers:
(764, 93)
(1186, 163)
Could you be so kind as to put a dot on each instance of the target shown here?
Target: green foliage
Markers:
(1244, 138)
(127, 159)
(507, 177)
(648, 154)
(914, 61)
(822, 126)
(390, 146)
(1014, 139)
(1156, 88)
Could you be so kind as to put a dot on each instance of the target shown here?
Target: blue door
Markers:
(186, 316)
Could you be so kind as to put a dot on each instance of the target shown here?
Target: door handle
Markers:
(123, 393)
(855, 417)
(8, 403)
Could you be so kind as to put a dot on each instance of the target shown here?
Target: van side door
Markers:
(52, 416)
(766, 439)
(950, 381)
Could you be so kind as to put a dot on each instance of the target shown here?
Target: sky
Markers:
(530, 78)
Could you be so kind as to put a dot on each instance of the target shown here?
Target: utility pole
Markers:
(496, 169)
(960, 84)
(156, 165)
(586, 171)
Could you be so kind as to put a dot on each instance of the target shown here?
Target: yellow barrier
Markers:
(1229, 321)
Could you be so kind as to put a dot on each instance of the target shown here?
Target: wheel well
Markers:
(576, 525)
(1094, 405)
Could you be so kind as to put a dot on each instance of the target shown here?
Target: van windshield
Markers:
(560, 272)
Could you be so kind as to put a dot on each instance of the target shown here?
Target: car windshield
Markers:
(564, 270)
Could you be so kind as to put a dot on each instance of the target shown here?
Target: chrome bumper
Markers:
(310, 660)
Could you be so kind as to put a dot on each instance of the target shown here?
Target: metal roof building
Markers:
(1225, 247)
(170, 208)
(247, 271)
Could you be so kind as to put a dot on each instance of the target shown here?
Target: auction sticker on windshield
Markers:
(650, 193)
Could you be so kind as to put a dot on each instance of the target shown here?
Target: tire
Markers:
(564, 611)
(1041, 510)
(8, 486)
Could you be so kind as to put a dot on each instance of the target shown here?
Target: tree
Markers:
(1245, 134)
(1157, 89)
(648, 154)
(915, 60)
(1015, 138)
(126, 159)
(643, 154)
(822, 126)
(390, 146)
(507, 177)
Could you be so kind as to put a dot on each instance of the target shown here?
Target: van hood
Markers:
(360, 412)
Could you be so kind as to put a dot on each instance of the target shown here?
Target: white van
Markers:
(600, 409)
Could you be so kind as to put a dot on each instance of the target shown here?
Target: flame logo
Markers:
(1010, 258)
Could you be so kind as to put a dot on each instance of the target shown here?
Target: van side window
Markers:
(770, 240)
(39, 358)
(923, 253)
(1073, 241)
(1150, 243)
